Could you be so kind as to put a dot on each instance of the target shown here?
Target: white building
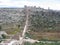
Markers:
(2, 32)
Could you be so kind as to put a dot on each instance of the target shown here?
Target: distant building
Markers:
(3, 32)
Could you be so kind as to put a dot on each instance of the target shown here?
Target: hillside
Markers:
(12, 20)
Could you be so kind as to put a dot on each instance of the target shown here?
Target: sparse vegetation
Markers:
(41, 43)
(43, 24)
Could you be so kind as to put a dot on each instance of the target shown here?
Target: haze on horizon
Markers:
(52, 4)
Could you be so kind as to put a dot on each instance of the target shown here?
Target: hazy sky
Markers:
(53, 4)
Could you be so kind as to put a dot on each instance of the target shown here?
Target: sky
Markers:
(52, 4)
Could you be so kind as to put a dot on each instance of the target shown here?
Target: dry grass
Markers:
(46, 35)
